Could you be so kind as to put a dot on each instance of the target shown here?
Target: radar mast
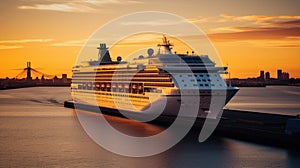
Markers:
(167, 49)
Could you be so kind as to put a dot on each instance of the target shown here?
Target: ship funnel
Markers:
(103, 55)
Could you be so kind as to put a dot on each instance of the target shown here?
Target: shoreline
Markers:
(30, 86)
(68, 85)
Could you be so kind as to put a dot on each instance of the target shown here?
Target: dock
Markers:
(262, 128)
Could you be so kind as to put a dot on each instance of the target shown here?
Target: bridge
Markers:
(29, 72)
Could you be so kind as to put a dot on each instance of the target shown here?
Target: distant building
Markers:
(285, 76)
(262, 75)
(64, 78)
(267, 75)
(282, 75)
(279, 74)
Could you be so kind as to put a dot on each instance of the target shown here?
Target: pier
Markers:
(270, 129)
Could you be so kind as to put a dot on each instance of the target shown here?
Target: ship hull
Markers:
(208, 105)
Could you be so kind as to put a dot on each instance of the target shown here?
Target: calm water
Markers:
(37, 131)
(270, 99)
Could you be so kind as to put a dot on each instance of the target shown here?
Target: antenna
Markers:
(166, 45)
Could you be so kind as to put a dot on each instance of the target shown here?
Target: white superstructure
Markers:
(159, 83)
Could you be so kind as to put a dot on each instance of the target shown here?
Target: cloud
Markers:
(98, 1)
(283, 28)
(289, 23)
(108, 1)
(201, 19)
(26, 41)
(161, 22)
(5, 47)
(227, 16)
(287, 46)
(89, 6)
(257, 20)
(211, 19)
(14, 44)
(253, 18)
(59, 7)
(257, 33)
(71, 43)
(260, 19)
(232, 29)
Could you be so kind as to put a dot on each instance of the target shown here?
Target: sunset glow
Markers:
(249, 36)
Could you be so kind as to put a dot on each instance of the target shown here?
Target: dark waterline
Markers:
(36, 131)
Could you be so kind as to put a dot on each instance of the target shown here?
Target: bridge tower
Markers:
(28, 70)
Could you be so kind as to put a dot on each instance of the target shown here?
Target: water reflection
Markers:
(34, 134)
(270, 99)
(215, 152)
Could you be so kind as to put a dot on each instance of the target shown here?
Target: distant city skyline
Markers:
(279, 76)
(248, 35)
(265, 75)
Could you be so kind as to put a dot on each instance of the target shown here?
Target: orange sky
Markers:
(249, 36)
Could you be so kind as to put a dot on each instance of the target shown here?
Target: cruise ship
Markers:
(161, 83)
